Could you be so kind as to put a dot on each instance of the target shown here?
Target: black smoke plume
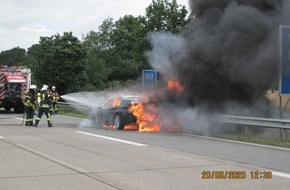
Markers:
(228, 53)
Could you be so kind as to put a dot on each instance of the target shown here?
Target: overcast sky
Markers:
(23, 22)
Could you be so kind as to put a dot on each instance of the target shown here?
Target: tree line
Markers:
(111, 57)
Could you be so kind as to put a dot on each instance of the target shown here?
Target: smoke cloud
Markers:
(228, 55)
(224, 61)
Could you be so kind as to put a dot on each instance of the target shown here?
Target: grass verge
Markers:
(257, 140)
(70, 111)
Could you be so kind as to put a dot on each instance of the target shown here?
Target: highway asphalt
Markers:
(74, 155)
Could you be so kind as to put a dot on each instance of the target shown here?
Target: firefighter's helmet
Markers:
(53, 87)
(33, 86)
(44, 88)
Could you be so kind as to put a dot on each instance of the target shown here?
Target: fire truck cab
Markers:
(14, 81)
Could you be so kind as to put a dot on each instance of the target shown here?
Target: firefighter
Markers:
(55, 98)
(28, 108)
(44, 100)
(39, 93)
(33, 92)
(29, 105)
(38, 98)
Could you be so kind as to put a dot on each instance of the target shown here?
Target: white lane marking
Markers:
(280, 174)
(22, 119)
(226, 140)
(112, 139)
(240, 142)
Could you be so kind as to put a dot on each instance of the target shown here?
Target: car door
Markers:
(110, 110)
(106, 112)
(115, 106)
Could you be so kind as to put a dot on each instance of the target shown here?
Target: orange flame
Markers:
(173, 85)
(116, 102)
(146, 117)
(131, 127)
(109, 126)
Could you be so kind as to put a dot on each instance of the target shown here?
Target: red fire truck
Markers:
(14, 81)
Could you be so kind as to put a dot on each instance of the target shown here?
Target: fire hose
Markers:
(22, 120)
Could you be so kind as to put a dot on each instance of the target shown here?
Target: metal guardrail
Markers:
(281, 124)
(65, 104)
(254, 121)
(249, 121)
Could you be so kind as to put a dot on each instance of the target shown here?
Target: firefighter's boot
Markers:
(26, 123)
(36, 123)
(30, 123)
(49, 124)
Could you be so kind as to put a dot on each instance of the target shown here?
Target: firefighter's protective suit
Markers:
(44, 101)
(55, 98)
(28, 108)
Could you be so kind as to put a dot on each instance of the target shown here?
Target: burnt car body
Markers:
(115, 112)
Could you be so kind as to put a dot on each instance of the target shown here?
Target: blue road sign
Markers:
(149, 78)
(285, 60)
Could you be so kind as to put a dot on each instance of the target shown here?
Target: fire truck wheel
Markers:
(118, 122)
(7, 108)
(18, 110)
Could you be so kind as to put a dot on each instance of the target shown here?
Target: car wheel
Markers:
(118, 122)
(7, 108)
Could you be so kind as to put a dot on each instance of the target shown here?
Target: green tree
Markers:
(128, 40)
(31, 61)
(99, 53)
(13, 57)
(163, 15)
(59, 60)
(100, 40)
(115, 52)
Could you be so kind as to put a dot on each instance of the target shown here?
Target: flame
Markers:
(131, 127)
(147, 119)
(116, 102)
(173, 85)
(109, 126)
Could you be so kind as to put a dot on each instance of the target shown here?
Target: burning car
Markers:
(127, 112)
(115, 112)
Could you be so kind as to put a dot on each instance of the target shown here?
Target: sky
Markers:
(22, 23)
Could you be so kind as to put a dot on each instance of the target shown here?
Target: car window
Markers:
(122, 101)
(107, 104)
(114, 102)
(126, 102)
(131, 100)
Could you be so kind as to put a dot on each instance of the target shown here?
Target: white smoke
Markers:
(167, 48)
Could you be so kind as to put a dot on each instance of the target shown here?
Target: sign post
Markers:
(149, 78)
(284, 85)
(285, 60)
